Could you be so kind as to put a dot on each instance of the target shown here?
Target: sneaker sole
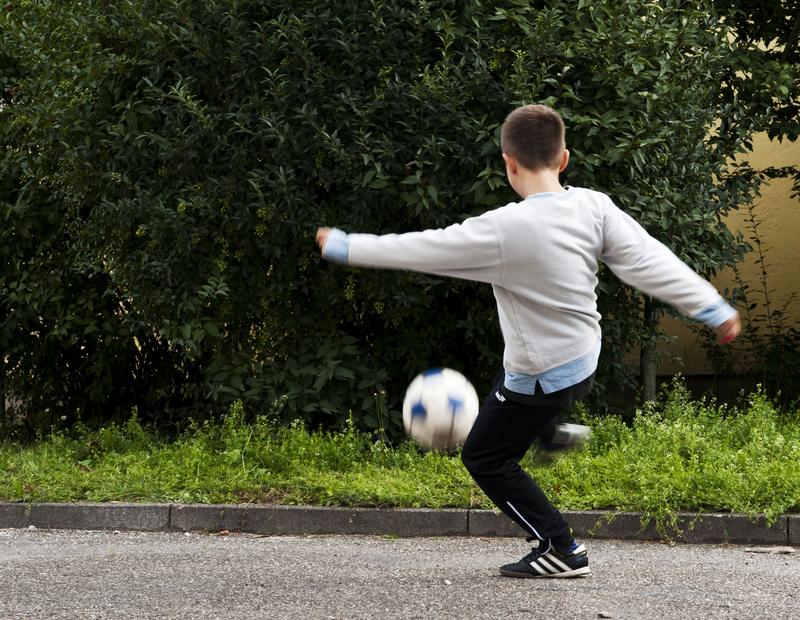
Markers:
(578, 572)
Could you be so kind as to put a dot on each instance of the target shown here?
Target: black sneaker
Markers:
(548, 561)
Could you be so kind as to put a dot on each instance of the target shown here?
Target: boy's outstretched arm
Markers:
(469, 250)
(648, 265)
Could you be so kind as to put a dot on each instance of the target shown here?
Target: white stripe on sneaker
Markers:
(539, 569)
(549, 567)
(557, 562)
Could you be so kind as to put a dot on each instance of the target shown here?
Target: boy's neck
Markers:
(537, 181)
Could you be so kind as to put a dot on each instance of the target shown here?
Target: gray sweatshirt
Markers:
(541, 257)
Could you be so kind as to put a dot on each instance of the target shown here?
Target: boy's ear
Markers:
(511, 163)
(564, 161)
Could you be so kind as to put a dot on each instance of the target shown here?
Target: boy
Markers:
(541, 257)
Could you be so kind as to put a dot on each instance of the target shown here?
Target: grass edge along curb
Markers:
(402, 522)
(676, 456)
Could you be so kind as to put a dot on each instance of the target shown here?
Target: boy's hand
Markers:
(729, 330)
(322, 237)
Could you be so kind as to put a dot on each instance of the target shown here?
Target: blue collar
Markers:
(567, 188)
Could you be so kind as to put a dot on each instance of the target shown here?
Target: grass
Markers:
(678, 454)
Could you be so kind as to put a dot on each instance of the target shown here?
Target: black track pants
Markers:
(507, 425)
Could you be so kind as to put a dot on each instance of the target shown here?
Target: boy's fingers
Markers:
(322, 237)
(729, 330)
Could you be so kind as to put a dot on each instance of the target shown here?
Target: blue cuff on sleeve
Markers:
(715, 314)
(337, 247)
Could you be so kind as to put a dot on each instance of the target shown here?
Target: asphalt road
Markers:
(79, 574)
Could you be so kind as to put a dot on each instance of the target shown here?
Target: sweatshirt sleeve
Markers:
(470, 251)
(648, 265)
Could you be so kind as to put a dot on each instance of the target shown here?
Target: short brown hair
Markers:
(534, 136)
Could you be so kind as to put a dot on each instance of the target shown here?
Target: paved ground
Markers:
(80, 574)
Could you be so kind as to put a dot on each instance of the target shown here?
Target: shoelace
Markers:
(537, 552)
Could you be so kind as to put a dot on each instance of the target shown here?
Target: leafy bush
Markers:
(181, 155)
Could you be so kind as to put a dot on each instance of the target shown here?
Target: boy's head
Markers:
(534, 136)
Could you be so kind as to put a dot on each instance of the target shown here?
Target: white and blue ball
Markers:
(439, 408)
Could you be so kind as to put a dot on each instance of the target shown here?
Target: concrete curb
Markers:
(87, 516)
(287, 520)
(306, 520)
(794, 529)
(689, 528)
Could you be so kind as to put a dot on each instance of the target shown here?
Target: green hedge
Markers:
(167, 164)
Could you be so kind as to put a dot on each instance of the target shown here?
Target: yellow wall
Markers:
(779, 231)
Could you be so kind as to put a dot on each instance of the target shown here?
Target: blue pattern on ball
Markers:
(418, 410)
(431, 372)
(455, 403)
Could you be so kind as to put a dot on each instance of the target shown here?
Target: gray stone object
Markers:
(794, 529)
(87, 516)
(294, 520)
(404, 523)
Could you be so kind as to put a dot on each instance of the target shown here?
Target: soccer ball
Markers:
(439, 408)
